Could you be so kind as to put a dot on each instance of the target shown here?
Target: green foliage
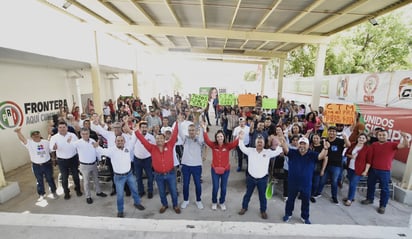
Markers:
(364, 48)
(249, 76)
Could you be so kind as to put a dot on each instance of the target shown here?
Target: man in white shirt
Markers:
(236, 132)
(143, 161)
(120, 157)
(39, 152)
(67, 158)
(257, 172)
(88, 166)
(110, 136)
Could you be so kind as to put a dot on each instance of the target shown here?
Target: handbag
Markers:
(219, 170)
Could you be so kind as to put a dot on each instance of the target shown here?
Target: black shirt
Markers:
(335, 152)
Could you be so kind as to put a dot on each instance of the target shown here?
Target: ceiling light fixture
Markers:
(67, 4)
(373, 21)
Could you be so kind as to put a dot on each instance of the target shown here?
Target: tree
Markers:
(364, 48)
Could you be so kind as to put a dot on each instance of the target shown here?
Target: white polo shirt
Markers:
(258, 163)
(139, 150)
(39, 151)
(120, 158)
(65, 149)
(245, 130)
(86, 150)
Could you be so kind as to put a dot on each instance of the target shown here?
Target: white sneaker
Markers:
(285, 199)
(54, 196)
(184, 204)
(223, 207)
(41, 198)
(199, 205)
(214, 206)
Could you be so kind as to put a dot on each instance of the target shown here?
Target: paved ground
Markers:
(98, 219)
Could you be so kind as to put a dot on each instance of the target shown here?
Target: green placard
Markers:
(227, 99)
(269, 103)
(198, 100)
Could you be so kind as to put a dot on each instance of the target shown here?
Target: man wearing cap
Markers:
(334, 165)
(301, 165)
(67, 158)
(257, 171)
(236, 132)
(39, 152)
(143, 161)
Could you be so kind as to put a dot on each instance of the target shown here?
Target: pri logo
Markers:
(405, 88)
(11, 115)
(369, 87)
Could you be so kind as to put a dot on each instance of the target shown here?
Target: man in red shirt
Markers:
(163, 165)
(382, 154)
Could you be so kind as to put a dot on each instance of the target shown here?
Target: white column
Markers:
(317, 80)
(78, 95)
(262, 85)
(135, 84)
(407, 175)
(280, 77)
(96, 80)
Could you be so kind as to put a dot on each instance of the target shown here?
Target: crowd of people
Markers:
(168, 139)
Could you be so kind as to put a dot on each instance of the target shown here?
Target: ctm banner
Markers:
(394, 120)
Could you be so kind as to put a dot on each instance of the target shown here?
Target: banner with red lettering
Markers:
(394, 120)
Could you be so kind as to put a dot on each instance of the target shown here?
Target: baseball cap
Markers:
(165, 129)
(303, 140)
(241, 119)
(34, 132)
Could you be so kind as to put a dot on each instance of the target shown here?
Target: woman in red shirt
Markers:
(220, 165)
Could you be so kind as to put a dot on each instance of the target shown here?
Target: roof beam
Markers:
(173, 13)
(202, 10)
(233, 19)
(335, 17)
(275, 4)
(216, 33)
(143, 12)
(60, 10)
(87, 10)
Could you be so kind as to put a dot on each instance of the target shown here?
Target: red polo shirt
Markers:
(220, 153)
(382, 155)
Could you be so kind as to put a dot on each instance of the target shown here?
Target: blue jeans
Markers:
(120, 181)
(332, 172)
(316, 183)
(251, 183)
(383, 176)
(66, 166)
(170, 179)
(293, 191)
(196, 172)
(139, 166)
(45, 169)
(240, 157)
(223, 178)
(353, 183)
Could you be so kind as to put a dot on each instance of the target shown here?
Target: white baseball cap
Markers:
(165, 129)
(303, 140)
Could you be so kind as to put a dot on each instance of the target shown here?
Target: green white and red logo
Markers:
(11, 115)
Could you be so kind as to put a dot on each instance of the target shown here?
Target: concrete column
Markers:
(317, 81)
(280, 77)
(135, 84)
(262, 85)
(407, 175)
(78, 95)
(96, 80)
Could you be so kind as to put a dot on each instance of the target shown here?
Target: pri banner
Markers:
(269, 103)
(227, 99)
(339, 113)
(247, 100)
(394, 120)
(198, 100)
